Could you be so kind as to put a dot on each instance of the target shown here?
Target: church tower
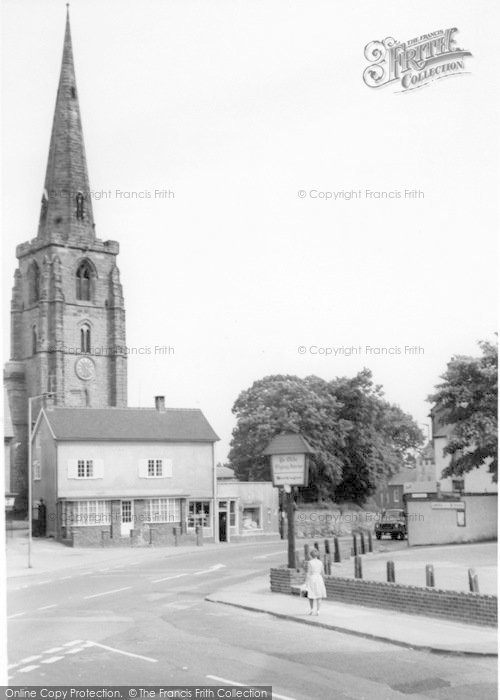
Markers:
(67, 310)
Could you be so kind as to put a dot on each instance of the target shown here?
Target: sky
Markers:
(232, 109)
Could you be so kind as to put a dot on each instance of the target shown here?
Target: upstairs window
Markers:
(155, 467)
(85, 338)
(83, 281)
(85, 469)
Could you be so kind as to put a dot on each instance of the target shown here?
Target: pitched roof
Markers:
(138, 424)
(288, 443)
(403, 477)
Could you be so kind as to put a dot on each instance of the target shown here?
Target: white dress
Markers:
(314, 579)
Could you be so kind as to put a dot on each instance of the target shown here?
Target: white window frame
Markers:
(163, 510)
(198, 517)
(155, 468)
(90, 513)
(161, 468)
(254, 506)
(91, 467)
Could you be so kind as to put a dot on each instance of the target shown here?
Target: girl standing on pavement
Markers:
(315, 583)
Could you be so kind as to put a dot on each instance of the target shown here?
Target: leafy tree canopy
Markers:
(467, 399)
(358, 437)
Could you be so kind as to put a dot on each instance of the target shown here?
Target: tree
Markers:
(358, 437)
(380, 441)
(287, 403)
(467, 399)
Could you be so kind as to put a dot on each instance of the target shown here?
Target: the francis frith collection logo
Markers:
(416, 62)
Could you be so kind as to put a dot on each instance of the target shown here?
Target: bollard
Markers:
(358, 569)
(176, 536)
(473, 581)
(306, 552)
(327, 546)
(429, 576)
(199, 536)
(370, 542)
(328, 564)
(316, 547)
(391, 572)
(354, 544)
(362, 539)
(336, 550)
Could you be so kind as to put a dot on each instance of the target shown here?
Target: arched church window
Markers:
(34, 283)
(34, 341)
(85, 338)
(83, 281)
(79, 206)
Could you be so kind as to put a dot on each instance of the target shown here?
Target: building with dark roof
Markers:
(125, 475)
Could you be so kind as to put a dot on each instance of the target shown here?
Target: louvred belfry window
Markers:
(83, 282)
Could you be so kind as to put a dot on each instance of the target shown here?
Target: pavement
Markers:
(412, 631)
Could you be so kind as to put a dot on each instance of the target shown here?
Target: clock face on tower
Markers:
(84, 368)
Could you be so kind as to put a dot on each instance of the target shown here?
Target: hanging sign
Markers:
(289, 470)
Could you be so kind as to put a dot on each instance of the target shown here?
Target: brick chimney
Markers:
(160, 403)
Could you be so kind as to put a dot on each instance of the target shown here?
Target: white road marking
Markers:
(115, 590)
(225, 680)
(209, 571)
(72, 644)
(76, 650)
(40, 583)
(272, 554)
(64, 578)
(168, 578)
(125, 653)
(53, 650)
(46, 607)
(15, 615)
(52, 659)
(27, 668)
(28, 660)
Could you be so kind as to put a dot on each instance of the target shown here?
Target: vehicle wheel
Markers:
(378, 535)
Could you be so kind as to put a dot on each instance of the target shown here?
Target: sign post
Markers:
(289, 454)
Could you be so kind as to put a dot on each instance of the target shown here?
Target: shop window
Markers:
(232, 513)
(164, 510)
(251, 518)
(199, 514)
(91, 513)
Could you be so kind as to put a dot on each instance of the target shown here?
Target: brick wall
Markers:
(472, 608)
(283, 579)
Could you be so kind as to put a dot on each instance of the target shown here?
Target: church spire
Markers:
(66, 213)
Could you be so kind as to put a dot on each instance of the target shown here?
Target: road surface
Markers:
(147, 623)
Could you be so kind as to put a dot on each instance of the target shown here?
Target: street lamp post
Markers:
(30, 476)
